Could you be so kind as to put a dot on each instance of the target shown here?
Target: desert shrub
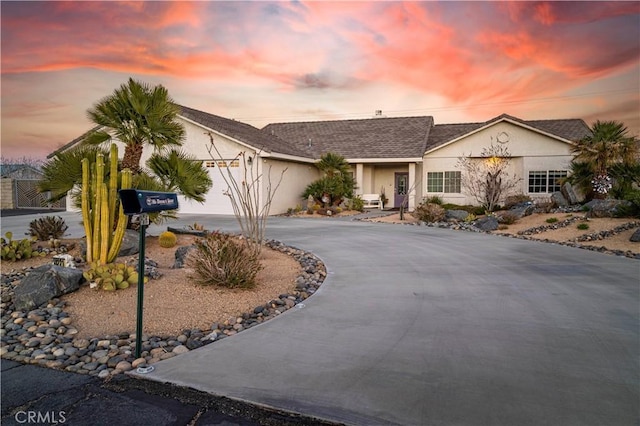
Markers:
(470, 217)
(167, 239)
(508, 218)
(502, 227)
(552, 220)
(583, 226)
(223, 260)
(47, 227)
(429, 212)
(435, 199)
(632, 209)
(514, 200)
(356, 203)
(338, 210)
(478, 210)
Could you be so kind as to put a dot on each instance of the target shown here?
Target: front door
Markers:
(400, 190)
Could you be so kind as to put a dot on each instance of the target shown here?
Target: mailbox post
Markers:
(136, 202)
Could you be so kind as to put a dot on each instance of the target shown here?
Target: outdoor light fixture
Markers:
(249, 160)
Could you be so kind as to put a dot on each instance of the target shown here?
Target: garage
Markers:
(216, 202)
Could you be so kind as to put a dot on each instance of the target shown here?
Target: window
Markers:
(447, 182)
(222, 163)
(545, 181)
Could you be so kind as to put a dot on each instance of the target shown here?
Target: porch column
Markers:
(412, 186)
(359, 178)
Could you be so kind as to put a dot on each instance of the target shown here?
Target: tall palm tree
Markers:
(137, 115)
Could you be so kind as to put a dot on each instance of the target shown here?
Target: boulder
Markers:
(558, 199)
(45, 283)
(130, 243)
(522, 209)
(456, 215)
(181, 256)
(572, 193)
(487, 223)
(605, 208)
(635, 237)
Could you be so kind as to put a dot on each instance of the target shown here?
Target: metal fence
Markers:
(26, 196)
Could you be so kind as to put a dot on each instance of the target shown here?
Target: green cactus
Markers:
(13, 250)
(99, 208)
(112, 276)
(167, 239)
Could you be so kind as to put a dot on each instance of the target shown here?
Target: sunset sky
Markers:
(263, 62)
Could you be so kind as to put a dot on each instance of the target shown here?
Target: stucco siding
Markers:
(296, 178)
(530, 151)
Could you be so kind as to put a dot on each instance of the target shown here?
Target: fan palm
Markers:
(337, 182)
(607, 151)
(608, 144)
(180, 172)
(137, 115)
(64, 171)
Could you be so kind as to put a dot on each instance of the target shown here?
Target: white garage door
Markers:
(216, 202)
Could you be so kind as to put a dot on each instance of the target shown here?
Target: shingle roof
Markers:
(404, 137)
(373, 138)
(73, 142)
(242, 132)
(569, 129)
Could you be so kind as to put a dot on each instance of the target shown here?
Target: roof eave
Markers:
(385, 160)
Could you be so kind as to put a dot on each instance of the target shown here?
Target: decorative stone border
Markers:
(46, 337)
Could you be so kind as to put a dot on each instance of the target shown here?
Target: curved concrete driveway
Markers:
(424, 326)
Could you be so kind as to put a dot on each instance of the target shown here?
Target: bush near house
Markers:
(336, 184)
(429, 212)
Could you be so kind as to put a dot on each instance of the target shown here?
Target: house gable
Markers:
(564, 131)
(242, 133)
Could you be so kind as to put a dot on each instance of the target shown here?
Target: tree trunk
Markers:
(131, 158)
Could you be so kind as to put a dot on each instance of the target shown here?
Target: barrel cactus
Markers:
(167, 239)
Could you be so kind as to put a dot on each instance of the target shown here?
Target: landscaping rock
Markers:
(605, 208)
(558, 199)
(45, 283)
(522, 209)
(457, 215)
(572, 193)
(635, 237)
(181, 256)
(130, 243)
(186, 231)
(487, 223)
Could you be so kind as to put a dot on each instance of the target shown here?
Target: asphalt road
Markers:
(417, 325)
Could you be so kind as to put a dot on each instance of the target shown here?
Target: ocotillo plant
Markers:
(99, 208)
